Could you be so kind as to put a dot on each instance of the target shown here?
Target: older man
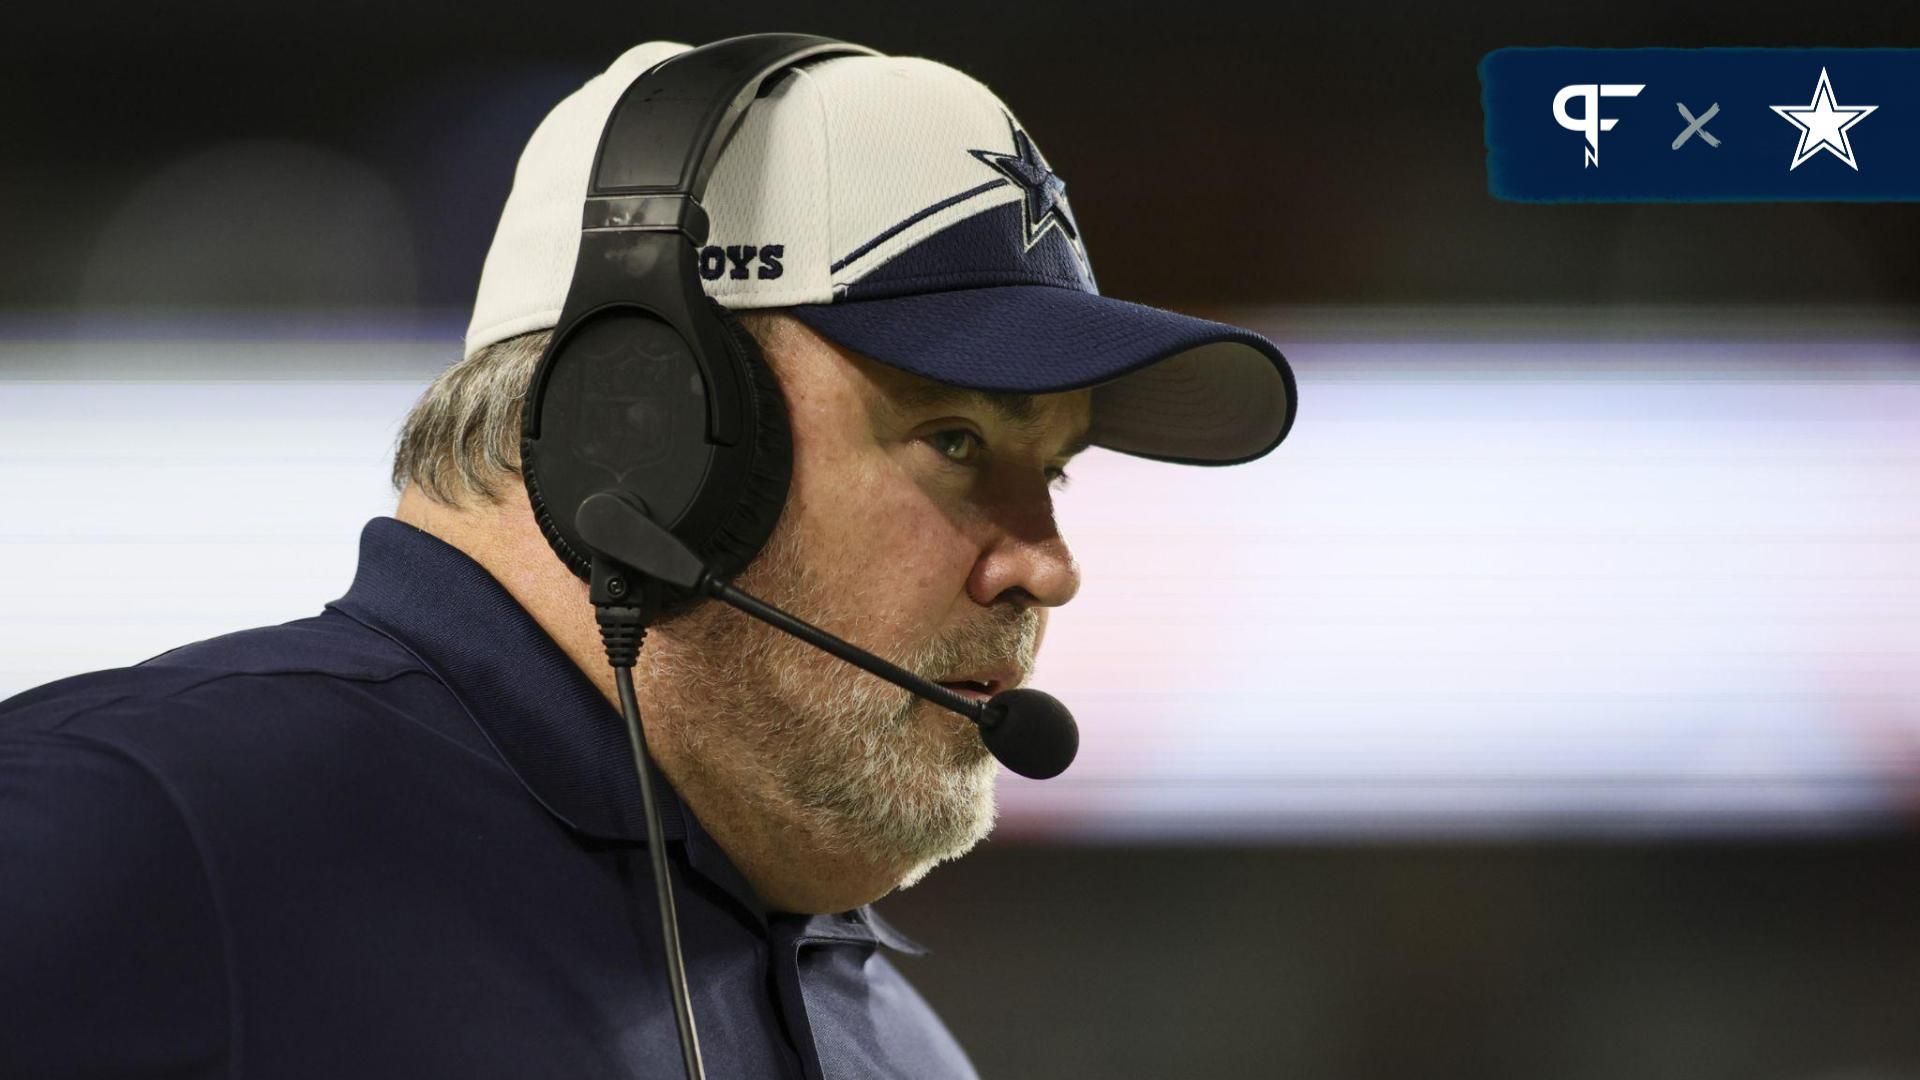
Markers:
(403, 837)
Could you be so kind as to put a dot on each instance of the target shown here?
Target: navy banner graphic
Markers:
(1702, 125)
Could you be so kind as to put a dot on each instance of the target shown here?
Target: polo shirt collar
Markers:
(549, 723)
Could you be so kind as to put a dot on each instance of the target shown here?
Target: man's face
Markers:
(919, 526)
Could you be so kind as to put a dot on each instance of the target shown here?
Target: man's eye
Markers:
(956, 444)
(1058, 477)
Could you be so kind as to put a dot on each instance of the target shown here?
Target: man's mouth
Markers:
(981, 686)
(977, 690)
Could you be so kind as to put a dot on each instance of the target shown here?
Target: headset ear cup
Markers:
(745, 529)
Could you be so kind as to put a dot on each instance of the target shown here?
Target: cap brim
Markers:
(1165, 386)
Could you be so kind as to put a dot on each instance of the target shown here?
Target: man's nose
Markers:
(1025, 554)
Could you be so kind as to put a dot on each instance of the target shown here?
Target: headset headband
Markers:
(669, 127)
(668, 144)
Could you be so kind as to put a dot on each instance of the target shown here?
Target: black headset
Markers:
(648, 388)
(653, 410)
(651, 396)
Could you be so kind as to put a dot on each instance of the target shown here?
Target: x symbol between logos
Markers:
(1696, 126)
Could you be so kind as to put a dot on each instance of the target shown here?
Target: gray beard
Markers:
(856, 765)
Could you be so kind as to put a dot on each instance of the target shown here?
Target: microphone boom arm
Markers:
(977, 711)
(1027, 730)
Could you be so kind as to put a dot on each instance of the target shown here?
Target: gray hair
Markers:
(461, 442)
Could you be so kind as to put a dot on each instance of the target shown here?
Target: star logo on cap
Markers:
(1044, 205)
(1823, 125)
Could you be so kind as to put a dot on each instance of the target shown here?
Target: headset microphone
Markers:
(1029, 731)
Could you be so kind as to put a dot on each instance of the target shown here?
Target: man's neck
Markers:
(734, 801)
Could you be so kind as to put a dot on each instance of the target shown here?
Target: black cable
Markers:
(622, 631)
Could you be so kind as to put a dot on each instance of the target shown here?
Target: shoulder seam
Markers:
(425, 667)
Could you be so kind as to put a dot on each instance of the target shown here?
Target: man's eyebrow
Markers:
(1010, 405)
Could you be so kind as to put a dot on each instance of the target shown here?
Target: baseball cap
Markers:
(899, 209)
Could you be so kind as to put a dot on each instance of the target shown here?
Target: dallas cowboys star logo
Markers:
(1823, 125)
(1044, 206)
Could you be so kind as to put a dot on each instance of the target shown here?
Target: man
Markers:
(403, 837)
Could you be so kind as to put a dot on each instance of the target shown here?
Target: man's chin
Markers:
(921, 869)
(917, 874)
(940, 828)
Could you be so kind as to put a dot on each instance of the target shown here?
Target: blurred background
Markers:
(1547, 706)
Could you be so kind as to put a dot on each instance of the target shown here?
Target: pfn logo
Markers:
(1589, 121)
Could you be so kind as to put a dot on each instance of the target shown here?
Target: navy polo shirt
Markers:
(401, 838)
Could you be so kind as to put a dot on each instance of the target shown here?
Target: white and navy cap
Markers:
(895, 206)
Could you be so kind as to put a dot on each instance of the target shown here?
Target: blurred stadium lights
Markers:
(1497, 581)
